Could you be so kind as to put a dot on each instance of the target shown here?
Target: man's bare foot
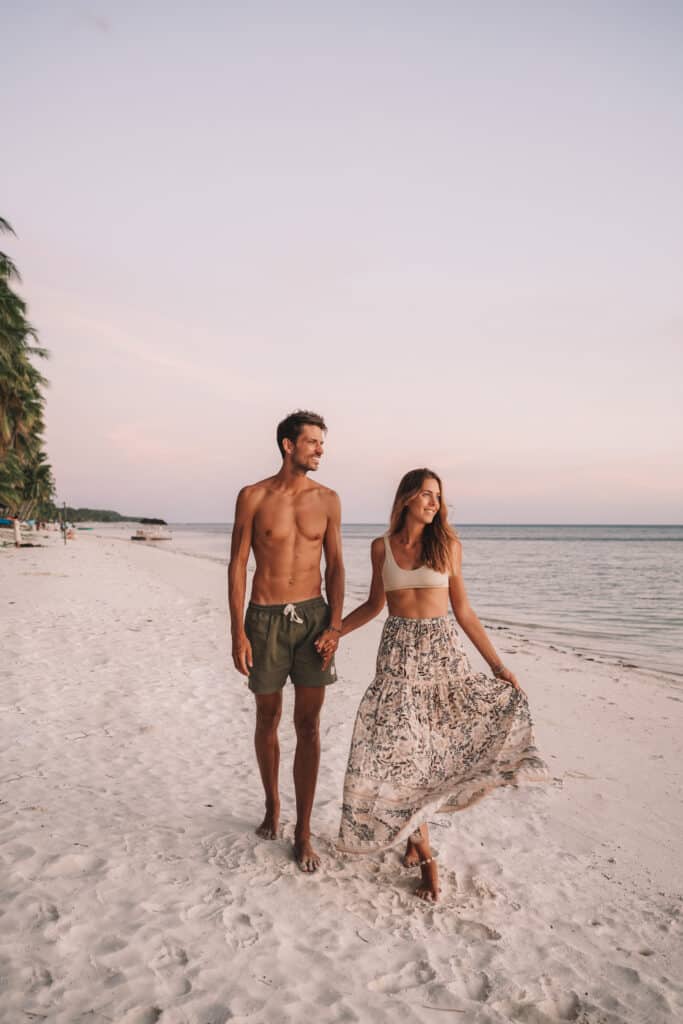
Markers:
(411, 858)
(270, 826)
(306, 857)
(428, 889)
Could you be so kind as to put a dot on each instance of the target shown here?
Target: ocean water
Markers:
(613, 592)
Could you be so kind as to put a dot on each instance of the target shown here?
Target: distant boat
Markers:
(152, 533)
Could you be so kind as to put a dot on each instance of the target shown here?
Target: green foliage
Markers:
(26, 481)
(96, 515)
(91, 515)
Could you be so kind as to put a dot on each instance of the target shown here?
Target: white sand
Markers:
(133, 888)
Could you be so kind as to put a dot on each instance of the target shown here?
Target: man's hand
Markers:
(326, 644)
(241, 654)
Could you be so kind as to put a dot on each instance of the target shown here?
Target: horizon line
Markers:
(221, 522)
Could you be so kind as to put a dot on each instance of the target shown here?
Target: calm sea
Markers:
(612, 592)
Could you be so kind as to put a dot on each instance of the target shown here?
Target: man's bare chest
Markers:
(283, 522)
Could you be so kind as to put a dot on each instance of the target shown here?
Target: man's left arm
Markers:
(328, 640)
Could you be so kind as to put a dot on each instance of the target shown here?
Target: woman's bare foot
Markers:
(428, 889)
(306, 857)
(411, 858)
(270, 826)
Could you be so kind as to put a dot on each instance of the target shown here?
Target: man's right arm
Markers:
(237, 578)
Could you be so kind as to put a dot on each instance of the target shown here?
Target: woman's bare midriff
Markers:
(424, 603)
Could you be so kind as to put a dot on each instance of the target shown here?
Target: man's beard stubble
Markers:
(301, 467)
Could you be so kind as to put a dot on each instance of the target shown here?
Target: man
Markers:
(288, 520)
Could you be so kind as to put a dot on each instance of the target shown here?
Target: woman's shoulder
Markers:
(455, 552)
(377, 547)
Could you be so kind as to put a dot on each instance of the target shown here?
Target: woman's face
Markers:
(425, 505)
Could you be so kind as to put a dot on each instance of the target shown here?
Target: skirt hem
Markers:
(437, 805)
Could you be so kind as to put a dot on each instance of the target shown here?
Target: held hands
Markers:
(326, 644)
(241, 654)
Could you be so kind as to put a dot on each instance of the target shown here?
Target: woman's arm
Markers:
(469, 621)
(328, 641)
(376, 598)
(366, 611)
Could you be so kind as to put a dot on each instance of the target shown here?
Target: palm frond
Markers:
(8, 268)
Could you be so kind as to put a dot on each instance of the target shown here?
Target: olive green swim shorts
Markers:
(281, 637)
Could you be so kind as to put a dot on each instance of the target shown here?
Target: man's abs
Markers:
(270, 587)
(287, 568)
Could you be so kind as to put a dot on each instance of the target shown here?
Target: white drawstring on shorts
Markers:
(290, 612)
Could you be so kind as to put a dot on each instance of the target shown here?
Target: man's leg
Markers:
(268, 711)
(308, 701)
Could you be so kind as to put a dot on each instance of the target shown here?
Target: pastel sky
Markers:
(455, 229)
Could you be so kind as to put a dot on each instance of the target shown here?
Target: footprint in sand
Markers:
(42, 914)
(478, 987)
(230, 852)
(72, 864)
(472, 985)
(566, 1006)
(213, 903)
(476, 931)
(19, 851)
(412, 975)
(169, 956)
(142, 1015)
(35, 977)
(473, 885)
(263, 862)
(109, 944)
(240, 930)
(168, 965)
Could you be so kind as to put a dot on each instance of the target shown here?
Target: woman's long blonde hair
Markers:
(438, 535)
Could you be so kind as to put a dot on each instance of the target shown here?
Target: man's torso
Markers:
(288, 531)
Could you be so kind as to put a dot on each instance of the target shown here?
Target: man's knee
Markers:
(268, 718)
(307, 725)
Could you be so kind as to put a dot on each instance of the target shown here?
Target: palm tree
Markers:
(25, 476)
(38, 485)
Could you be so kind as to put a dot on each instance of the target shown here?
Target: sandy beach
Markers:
(134, 890)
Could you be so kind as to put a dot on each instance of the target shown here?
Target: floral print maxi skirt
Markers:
(430, 735)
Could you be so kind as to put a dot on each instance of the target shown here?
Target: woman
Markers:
(430, 735)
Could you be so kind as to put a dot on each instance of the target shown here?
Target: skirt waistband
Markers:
(436, 619)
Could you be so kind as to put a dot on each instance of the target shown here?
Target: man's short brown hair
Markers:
(290, 427)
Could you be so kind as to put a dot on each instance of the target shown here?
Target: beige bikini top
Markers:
(396, 578)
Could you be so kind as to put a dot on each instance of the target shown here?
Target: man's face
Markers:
(307, 451)
(426, 503)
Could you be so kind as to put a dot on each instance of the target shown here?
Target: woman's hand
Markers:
(326, 644)
(501, 672)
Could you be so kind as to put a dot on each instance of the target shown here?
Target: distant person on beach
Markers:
(430, 734)
(288, 520)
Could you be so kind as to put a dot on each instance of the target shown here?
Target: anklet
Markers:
(427, 861)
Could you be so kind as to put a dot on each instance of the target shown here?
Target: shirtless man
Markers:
(288, 519)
